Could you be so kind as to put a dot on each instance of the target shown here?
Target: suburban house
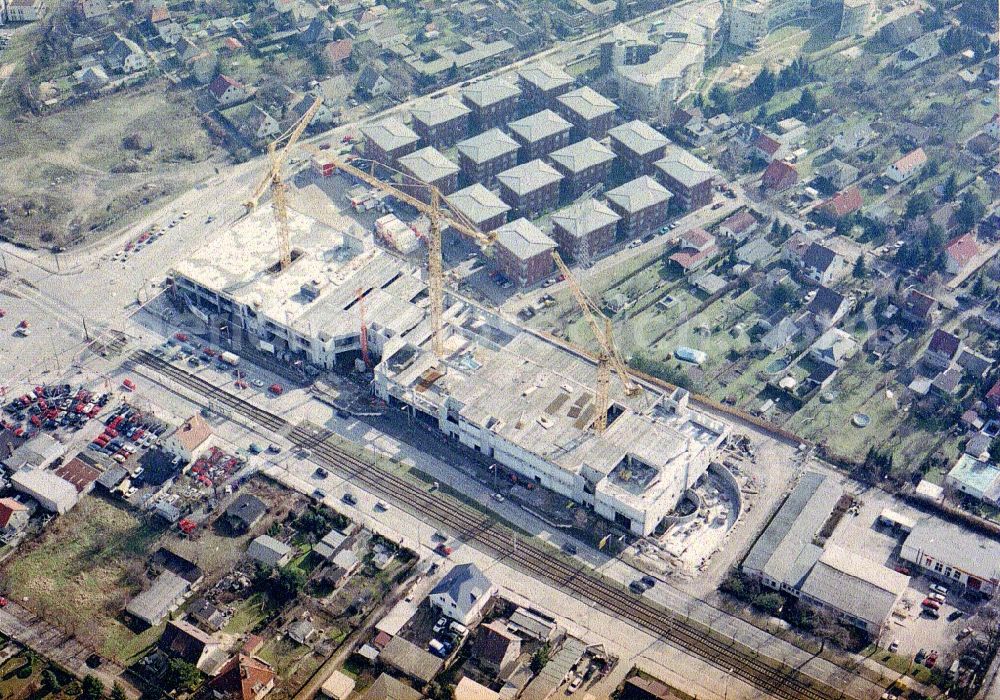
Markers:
(842, 204)
(827, 308)
(852, 138)
(167, 592)
(766, 148)
(697, 246)
(463, 594)
(822, 265)
(942, 350)
(22, 10)
(838, 173)
(228, 91)
(738, 227)
(125, 56)
(245, 512)
(523, 252)
(185, 641)
(268, 551)
(779, 176)
(960, 252)
(243, 677)
(917, 307)
(780, 335)
(496, 649)
(186, 442)
(372, 82)
(907, 166)
(14, 515)
(642, 204)
(258, 126)
(834, 347)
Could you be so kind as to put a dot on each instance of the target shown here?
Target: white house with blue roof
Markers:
(463, 594)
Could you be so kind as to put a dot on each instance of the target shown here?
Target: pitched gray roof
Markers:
(545, 76)
(639, 137)
(268, 550)
(487, 146)
(957, 547)
(529, 177)
(785, 551)
(439, 110)
(524, 240)
(477, 203)
(857, 586)
(491, 91)
(428, 165)
(390, 134)
(582, 155)
(638, 194)
(539, 125)
(684, 167)
(588, 103)
(584, 217)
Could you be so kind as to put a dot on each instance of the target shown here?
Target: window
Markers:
(938, 567)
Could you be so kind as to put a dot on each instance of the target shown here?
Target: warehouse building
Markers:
(543, 82)
(585, 229)
(530, 189)
(688, 178)
(493, 102)
(949, 552)
(388, 140)
(590, 112)
(480, 206)
(540, 133)
(441, 121)
(484, 156)
(52, 492)
(583, 165)
(524, 253)
(642, 204)
(638, 145)
(428, 166)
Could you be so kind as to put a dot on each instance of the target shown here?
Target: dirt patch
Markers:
(78, 172)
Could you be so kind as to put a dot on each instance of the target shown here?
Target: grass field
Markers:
(83, 571)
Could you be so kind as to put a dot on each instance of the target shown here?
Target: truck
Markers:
(230, 358)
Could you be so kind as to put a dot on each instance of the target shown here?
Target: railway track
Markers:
(730, 656)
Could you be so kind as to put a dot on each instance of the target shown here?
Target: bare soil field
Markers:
(76, 173)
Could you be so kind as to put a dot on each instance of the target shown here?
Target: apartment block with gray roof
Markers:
(531, 188)
(583, 164)
(638, 145)
(687, 177)
(493, 102)
(429, 166)
(642, 204)
(480, 206)
(540, 133)
(590, 112)
(584, 229)
(543, 82)
(524, 253)
(482, 157)
(388, 140)
(441, 121)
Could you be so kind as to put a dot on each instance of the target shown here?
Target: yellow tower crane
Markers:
(275, 180)
(608, 356)
(439, 214)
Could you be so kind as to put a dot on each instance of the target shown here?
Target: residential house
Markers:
(205, 613)
(372, 82)
(245, 512)
(918, 308)
(842, 204)
(243, 677)
(834, 347)
(993, 396)
(902, 30)
(463, 594)
(344, 564)
(779, 176)
(468, 689)
(907, 166)
(441, 121)
(184, 641)
(523, 252)
(942, 350)
(386, 687)
(410, 660)
(202, 66)
(37, 453)
(87, 9)
(960, 252)
(974, 364)
(388, 140)
(583, 164)
(853, 138)
(186, 442)
(827, 308)
(228, 91)
(14, 516)
(756, 251)
(822, 265)
(496, 649)
(697, 247)
(428, 167)
(323, 118)
(638, 146)
(480, 206)
(531, 188)
(125, 56)
(258, 126)
(334, 541)
(918, 52)
(269, 551)
(338, 52)
(318, 31)
(543, 82)
(585, 229)
(976, 478)
(738, 227)
(689, 179)
(165, 595)
(483, 157)
(947, 382)
(766, 148)
(590, 112)
(493, 102)
(780, 335)
(642, 204)
(301, 631)
(540, 133)
(838, 173)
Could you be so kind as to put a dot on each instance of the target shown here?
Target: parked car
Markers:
(276, 389)
(443, 549)
(648, 581)
(938, 588)
(958, 614)
(930, 603)
(569, 548)
(637, 587)
(349, 499)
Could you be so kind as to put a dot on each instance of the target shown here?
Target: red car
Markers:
(3, 312)
(276, 389)
(183, 337)
(241, 384)
(443, 549)
(3, 602)
(931, 603)
(128, 384)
